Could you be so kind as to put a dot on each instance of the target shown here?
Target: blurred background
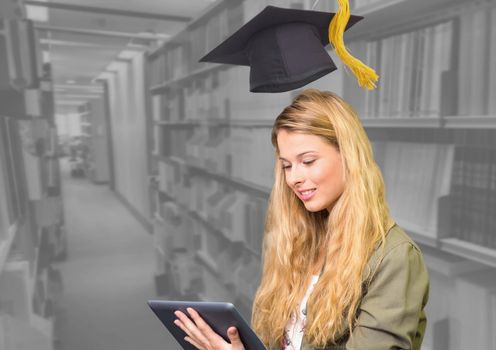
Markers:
(129, 171)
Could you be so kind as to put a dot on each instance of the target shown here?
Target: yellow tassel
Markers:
(365, 75)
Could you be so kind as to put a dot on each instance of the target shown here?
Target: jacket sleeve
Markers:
(391, 314)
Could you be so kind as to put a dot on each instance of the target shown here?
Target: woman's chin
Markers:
(313, 207)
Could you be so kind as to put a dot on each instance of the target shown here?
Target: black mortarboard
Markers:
(285, 48)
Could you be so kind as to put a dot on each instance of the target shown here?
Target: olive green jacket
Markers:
(391, 314)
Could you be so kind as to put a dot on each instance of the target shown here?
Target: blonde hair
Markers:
(294, 237)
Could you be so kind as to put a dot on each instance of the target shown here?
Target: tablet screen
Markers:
(219, 316)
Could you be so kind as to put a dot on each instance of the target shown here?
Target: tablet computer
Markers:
(219, 316)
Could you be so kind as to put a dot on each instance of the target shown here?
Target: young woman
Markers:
(333, 258)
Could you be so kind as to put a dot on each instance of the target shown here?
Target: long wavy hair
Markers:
(295, 237)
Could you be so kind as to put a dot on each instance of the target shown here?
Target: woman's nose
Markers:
(295, 176)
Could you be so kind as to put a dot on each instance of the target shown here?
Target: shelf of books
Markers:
(94, 153)
(440, 67)
(213, 158)
(32, 233)
(432, 121)
(430, 82)
(204, 154)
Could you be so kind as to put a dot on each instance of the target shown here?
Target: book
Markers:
(492, 66)
(5, 204)
(233, 218)
(15, 298)
(264, 162)
(220, 219)
(472, 63)
(34, 173)
(32, 102)
(372, 96)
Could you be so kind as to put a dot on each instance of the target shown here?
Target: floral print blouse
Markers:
(295, 327)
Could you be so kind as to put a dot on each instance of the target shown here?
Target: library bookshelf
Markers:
(94, 155)
(431, 122)
(32, 231)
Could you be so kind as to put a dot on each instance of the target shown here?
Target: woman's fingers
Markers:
(194, 343)
(202, 336)
(191, 329)
(182, 326)
(201, 324)
(234, 338)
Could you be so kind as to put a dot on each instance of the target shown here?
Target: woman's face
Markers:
(312, 168)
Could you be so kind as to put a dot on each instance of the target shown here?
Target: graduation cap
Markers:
(285, 48)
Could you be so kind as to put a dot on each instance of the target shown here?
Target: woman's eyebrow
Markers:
(299, 155)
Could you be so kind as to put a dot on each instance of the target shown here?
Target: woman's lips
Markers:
(307, 196)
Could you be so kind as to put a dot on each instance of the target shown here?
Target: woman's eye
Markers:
(309, 162)
(286, 167)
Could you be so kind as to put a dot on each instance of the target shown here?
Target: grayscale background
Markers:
(129, 171)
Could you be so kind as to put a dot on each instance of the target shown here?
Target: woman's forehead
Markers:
(290, 140)
(294, 144)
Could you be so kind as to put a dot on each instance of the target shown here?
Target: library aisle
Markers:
(130, 170)
(107, 277)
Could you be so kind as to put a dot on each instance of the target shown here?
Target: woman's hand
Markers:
(202, 336)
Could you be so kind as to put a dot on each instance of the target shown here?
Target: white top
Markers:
(296, 325)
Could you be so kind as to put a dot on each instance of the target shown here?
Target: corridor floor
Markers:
(108, 275)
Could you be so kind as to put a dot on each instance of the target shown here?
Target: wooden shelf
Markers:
(464, 249)
(251, 123)
(469, 250)
(178, 124)
(6, 244)
(221, 232)
(470, 122)
(401, 122)
(386, 17)
(161, 88)
(449, 122)
(418, 234)
(447, 264)
(205, 222)
(226, 179)
(375, 6)
(234, 182)
(478, 257)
